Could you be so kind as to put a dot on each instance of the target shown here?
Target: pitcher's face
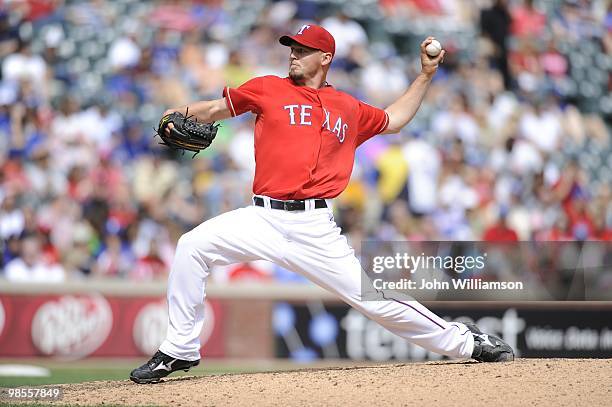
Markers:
(304, 62)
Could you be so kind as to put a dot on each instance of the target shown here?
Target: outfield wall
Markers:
(253, 320)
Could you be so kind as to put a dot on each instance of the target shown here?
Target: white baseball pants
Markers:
(306, 242)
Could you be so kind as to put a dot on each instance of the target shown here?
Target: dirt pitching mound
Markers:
(559, 382)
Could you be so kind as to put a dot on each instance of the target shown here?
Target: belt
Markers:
(298, 205)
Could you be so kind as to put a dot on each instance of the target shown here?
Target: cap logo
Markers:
(304, 27)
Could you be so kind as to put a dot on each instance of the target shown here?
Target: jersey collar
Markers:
(325, 85)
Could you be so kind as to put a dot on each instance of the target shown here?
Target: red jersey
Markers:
(305, 138)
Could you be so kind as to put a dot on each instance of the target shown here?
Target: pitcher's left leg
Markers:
(323, 255)
(408, 319)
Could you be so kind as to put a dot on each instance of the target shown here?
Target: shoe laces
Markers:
(158, 357)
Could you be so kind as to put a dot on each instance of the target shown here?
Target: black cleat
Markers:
(489, 348)
(160, 365)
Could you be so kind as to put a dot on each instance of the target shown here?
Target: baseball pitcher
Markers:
(306, 133)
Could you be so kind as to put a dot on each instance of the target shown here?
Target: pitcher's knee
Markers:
(184, 242)
(191, 244)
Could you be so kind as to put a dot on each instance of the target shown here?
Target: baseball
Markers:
(433, 48)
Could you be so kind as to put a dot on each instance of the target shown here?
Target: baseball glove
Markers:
(187, 133)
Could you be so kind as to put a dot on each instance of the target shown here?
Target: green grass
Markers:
(69, 372)
(66, 376)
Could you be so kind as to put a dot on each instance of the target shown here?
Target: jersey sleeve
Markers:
(248, 97)
(372, 121)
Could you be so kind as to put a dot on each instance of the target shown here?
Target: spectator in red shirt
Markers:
(558, 232)
(527, 21)
(580, 219)
(500, 231)
(570, 191)
(150, 266)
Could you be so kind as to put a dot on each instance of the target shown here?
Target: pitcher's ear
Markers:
(326, 58)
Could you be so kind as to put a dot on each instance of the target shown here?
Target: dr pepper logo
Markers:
(72, 326)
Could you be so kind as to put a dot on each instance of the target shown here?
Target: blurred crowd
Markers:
(512, 141)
